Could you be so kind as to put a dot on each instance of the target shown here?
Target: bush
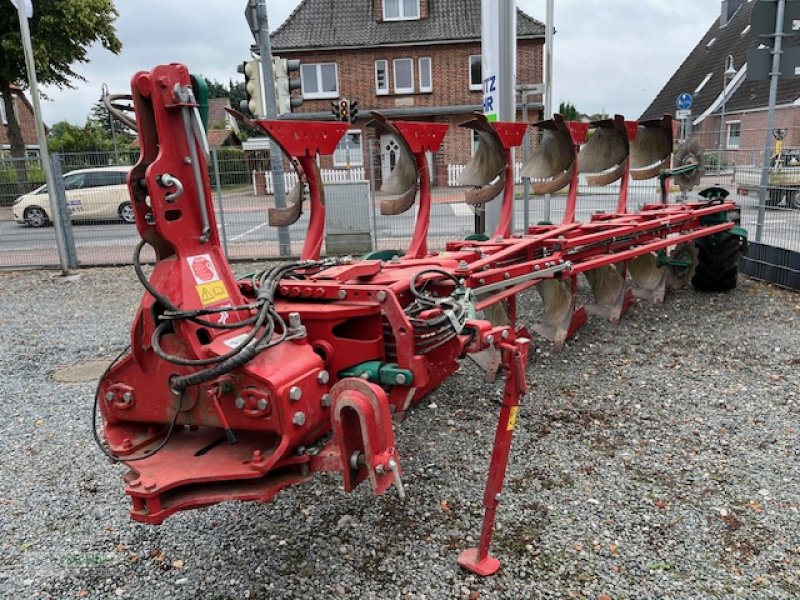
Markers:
(11, 187)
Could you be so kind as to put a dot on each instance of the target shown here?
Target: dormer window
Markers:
(400, 10)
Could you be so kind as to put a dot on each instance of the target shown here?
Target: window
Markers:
(734, 134)
(425, 78)
(3, 115)
(475, 72)
(104, 178)
(403, 76)
(381, 77)
(348, 153)
(400, 10)
(703, 83)
(74, 181)
(475, 138)
(320, 80)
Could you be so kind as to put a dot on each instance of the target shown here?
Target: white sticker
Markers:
(236, 341)
(203, 269)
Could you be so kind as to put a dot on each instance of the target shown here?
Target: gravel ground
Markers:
(657, 459)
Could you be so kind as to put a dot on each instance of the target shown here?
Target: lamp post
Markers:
(729, 73)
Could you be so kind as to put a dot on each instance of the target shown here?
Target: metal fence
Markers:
(241, 184)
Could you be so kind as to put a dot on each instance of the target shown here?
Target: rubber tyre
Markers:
(36, 217)
(793, 199)
(126, 213)
(718, 263)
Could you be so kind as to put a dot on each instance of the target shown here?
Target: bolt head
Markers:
(127, 397)
(323, 377)
(239, 402)
(109, 396)
(326, 400)
(489, 339)
(381, 296)
(262, 404)
(341, 295)
(400, 378)
(295, 393)
(463, 265)
(299, 419)
(504, 335)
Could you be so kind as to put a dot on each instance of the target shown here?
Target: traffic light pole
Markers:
(271, 113)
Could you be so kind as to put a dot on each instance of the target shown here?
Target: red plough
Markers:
(236, 388)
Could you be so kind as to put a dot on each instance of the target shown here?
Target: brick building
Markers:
(27, 123)
(745, 102)
(409, 59)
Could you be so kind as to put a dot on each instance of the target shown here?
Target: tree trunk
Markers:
(14, 133)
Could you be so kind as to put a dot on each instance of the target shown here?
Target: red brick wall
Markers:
(26, 122)
(450, 78)
(753, 128)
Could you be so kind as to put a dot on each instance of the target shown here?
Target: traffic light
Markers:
(353, 110)
(285, 84)
(251, 70)
(344, 110)
(335, 110)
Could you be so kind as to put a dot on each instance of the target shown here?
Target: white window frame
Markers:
(474, 86)
(3, 115)
(401, 12)
(385, 90)
(356, 157)
(474, 140)
(320, 95)
(728, 145)
(399, 90)
(426, 89)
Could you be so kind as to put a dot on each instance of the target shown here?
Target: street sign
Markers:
(682, 115)
(684, 101)
(251, 16)
(764, 15)
(759, 63)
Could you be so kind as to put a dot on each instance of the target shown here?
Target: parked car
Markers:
(98, 194)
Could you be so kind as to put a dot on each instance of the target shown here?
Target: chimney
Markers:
(729, 8)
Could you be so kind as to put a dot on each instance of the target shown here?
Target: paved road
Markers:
(249, 235)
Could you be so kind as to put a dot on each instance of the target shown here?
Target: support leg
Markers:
(477, 560)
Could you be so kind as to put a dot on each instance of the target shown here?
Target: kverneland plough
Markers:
(234, 389)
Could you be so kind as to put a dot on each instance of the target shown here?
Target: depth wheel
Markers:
(718, 263)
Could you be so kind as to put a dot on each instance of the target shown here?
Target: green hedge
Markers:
(10, 186)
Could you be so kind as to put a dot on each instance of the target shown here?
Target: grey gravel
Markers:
(657, 459)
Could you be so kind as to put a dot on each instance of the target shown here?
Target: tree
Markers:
(568, 110)
(66, 137)
(61, 32)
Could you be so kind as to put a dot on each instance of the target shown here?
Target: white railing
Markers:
(328, 176)
(453, 171)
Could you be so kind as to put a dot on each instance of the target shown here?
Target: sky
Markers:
(609, 55)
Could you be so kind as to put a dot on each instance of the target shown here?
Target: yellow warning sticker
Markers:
(512, 418)
(211, 293)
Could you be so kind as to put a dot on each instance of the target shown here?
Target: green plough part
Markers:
(379, 372)
(382, 255)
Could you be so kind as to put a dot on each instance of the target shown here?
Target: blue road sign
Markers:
(684, 101)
